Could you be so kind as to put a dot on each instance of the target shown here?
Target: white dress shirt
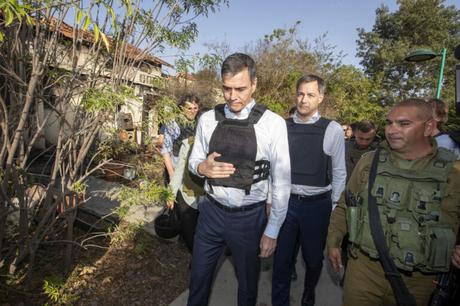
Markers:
(334, 146)
(272, 145)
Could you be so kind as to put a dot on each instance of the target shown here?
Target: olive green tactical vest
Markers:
(192, 185)
(419, 234)
(353, 154)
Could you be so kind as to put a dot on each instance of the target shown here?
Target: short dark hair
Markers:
(365, 126)
(353, 126)
(237, 62)
(192, 98)
(312, 78)
(425, 109)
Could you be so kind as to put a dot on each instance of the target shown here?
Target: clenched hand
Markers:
(214, 169)
(335, 258)
(267, 246)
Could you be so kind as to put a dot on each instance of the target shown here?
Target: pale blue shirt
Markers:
(444, 141)
(272, 145)
(334, 146)
(172, 132)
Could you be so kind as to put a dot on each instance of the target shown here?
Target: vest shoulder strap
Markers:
(219, 112)
(254, 116)
(256, 113)
(323, 122)
(289, 121)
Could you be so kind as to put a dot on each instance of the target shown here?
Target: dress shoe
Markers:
(308, 298)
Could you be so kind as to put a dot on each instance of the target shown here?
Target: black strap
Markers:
(261, 171)
(402, 295)
(256, 113)
(219, 112)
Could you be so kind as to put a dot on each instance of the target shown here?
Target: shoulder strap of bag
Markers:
(402, 295)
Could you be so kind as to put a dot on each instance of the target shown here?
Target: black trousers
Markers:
(188, 217)
(241, 232)
(306, 222)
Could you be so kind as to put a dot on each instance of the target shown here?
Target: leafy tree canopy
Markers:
(416, 24)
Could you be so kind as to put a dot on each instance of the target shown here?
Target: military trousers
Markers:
(366, 285)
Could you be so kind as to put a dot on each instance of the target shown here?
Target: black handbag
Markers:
(167, 224)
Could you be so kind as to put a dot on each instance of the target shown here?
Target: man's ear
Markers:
(253, 85)
(321, 97)
(430, 126)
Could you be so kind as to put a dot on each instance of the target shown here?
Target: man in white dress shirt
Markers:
(238, 146)
(318, 174)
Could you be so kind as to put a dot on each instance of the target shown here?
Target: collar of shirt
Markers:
(244, 113)
(415, 164)
(313, 118)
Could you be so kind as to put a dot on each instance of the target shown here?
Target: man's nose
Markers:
(232, 94)
(391, 128)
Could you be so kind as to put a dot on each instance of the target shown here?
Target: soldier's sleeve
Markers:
(451, 200)
(338, 224)
(358, 180)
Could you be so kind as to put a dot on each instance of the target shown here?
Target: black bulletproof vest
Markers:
(236, 141)
(310, 166)
(186, 130)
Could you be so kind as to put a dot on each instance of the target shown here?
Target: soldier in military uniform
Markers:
(363, 142)
(417, 190)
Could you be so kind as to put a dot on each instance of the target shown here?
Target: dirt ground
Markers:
(137, 270)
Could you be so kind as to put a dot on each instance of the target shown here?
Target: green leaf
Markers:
(86, 23)
(29, 20)
(106, 41)
(2, 37)
(8, 17)
(96, 33)
(79, 16)
(112, 13)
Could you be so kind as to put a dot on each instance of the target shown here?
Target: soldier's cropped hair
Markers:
(312, 78)
(365, 126)
(236, 63)
(425, 110)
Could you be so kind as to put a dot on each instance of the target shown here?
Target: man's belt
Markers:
(235, 209)
(315, 197)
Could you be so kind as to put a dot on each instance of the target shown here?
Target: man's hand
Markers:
(168, 164)
(335, 258)
(456, 257)
(170, 204)
(214, 169)
(267, 246)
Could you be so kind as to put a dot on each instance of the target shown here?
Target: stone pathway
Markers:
(224, 293)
